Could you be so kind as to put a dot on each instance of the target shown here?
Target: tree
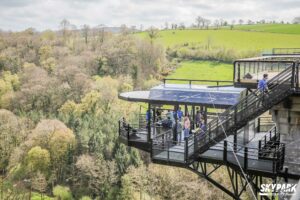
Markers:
(12, 134)
(153, 33)
(217, 24)
(241, 21)
(199, 21)
(166, 25)
(85, 32)
(65, 27)
(9, 83)
(60, 142)
(96, 175)
(61, 145)
(122, 158)
(181, 26)
(296, 20)
(207, 22)
(38, 159)
(126, 188)
(39, 183)
(249, 22)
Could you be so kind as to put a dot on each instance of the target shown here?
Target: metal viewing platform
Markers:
(234, 138)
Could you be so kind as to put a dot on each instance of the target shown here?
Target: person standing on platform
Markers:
(187, 126)
(170, 115)
(179, 132)
(198, 118)
(148, 118)
(179, 114)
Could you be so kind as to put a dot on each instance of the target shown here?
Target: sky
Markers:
(17, 15)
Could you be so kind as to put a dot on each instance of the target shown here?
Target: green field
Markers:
(234, 39)
(272, 28)
(203, 70)
(239, 40)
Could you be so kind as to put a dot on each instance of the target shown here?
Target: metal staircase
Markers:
(250, 107)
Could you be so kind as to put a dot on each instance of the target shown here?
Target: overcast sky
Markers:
(47, 14)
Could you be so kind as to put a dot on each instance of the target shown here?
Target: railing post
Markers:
(274, 162)
(128, 132)
(259, 148)
(239, 72)
(186, 149)
(119, 127)
(164, 81)
(297, 76)
(283, 155)
(246, 158)
(168, 147)
(225, 151)
(209, 132)
(293, 75)
(258, 127)
(235, 115)
(195, 143)
(151, 148)
(235, 142)
(190, 83)
(265, 140)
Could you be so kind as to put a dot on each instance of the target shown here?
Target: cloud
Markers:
(47, 14)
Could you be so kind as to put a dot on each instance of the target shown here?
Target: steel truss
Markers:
(239, 183)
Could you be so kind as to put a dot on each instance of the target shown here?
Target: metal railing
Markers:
(191, 81)
(286, 51)
(270, 141)
(230, 121)
(250, 71)
(127, 131)
(264, 124)
(165, 148)
(248, 108)
(246, 154)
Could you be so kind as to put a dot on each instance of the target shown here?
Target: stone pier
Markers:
(286, 115)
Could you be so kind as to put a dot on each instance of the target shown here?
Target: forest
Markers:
(59, 117)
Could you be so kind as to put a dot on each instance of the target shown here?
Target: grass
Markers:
(233, 39)
(271, 28)
(203, 70)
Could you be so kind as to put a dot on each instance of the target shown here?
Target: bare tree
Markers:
(249, 22)
(200, 21)
(221, 22)
(207, 22)
(65, 26)
(85, 31)
(166, 25)
(241, 21)
(217, 24)
(296, 20)
(181, 26)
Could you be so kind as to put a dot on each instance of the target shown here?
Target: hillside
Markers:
(271, 28)
(203, 70)
(233, 39)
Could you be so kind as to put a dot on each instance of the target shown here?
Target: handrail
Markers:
(190, 81)
(276, 156)
(285, 51)
(247, 107)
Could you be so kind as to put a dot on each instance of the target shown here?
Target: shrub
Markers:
(62, 193)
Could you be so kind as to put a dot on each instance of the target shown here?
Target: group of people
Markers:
(179, 122)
